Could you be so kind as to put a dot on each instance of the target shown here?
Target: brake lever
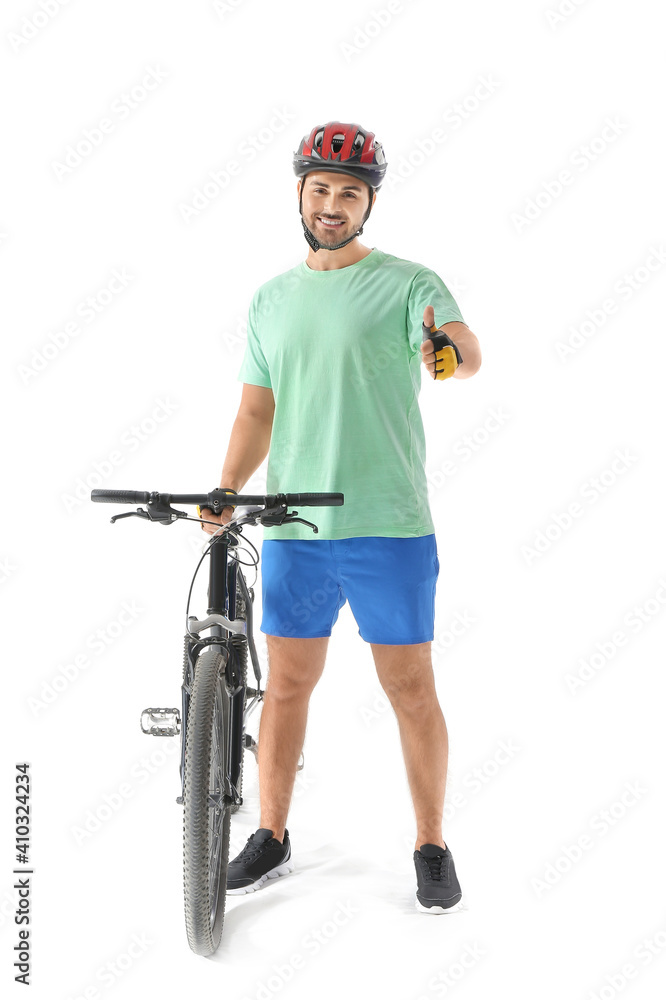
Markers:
(303, 521)
(279, 515)
(157, 511)
(139, 512)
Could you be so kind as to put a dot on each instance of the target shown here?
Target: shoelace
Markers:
(252, 850)
(437, 868)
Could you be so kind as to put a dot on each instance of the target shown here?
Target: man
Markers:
(331, 373)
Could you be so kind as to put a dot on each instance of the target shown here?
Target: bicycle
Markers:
(214, 708)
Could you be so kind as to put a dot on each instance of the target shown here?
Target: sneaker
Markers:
(438, 888)
(263, 857)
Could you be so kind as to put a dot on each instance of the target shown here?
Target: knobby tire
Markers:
(206, 828)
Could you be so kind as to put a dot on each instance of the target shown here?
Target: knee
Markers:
(294, 667)
(287, 685)
(409, 697)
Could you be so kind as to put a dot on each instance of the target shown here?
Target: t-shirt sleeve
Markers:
(428, 289)
(254, 367)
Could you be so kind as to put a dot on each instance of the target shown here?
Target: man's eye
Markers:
(322, 191)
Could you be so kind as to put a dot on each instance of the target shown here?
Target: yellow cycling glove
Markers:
(447, 355)
(222, 490)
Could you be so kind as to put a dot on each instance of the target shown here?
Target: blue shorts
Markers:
(389, 582)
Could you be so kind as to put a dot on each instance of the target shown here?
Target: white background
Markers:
(529, 263)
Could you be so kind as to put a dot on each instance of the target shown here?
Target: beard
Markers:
(326, 235)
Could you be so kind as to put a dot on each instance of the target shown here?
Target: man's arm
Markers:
(250, 436)
(462, 337)
(468, 345)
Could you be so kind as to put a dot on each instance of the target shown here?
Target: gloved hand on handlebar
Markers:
(223, 517)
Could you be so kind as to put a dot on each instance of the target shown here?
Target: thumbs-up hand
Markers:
(438, 352)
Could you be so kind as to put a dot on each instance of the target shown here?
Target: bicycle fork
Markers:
(173, 721)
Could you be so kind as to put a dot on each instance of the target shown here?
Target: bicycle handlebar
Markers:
(214, 500)
(119, 496)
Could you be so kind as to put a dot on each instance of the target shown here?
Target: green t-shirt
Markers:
(341, 351)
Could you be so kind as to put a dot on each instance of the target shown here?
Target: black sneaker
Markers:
(263, 857)
(438, 888)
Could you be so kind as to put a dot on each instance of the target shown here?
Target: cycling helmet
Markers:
(348, 149)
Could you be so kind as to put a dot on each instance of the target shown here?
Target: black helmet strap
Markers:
(312, 239)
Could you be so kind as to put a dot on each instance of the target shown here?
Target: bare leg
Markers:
(405, 673)
(295, 666)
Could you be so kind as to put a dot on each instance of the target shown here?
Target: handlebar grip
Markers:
(119, 496)
(316, 499)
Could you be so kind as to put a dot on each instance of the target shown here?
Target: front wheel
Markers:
(207, 813)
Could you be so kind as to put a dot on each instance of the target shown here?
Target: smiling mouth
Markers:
(330, 223)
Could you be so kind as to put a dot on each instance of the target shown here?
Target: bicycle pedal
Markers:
(160, 721)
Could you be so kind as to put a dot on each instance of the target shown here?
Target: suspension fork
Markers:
(217, 598)
(234, 678)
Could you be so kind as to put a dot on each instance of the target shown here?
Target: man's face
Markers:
(334, 205)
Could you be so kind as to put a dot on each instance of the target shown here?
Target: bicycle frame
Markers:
(226, 579)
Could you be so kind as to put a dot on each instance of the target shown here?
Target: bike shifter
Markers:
(279, 515)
